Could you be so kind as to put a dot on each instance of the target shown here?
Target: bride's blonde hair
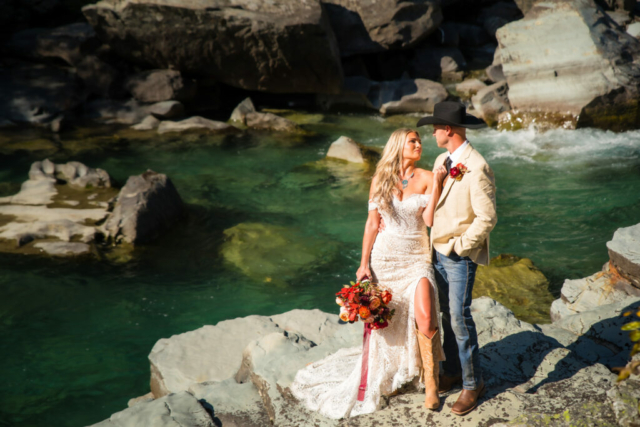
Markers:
(387, 176)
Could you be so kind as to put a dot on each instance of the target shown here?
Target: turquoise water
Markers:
(75, 334)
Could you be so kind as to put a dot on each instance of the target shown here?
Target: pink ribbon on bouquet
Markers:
(365, 361)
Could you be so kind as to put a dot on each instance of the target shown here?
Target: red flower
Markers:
(458, 171)
(386, 297)
(353, 316)
(455, 171)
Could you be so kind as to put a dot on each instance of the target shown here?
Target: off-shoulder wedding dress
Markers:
(399, 259)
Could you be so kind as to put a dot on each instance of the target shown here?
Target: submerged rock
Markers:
(146, 204)
(262, 40)
(516, 283)
(589, 71)
(270, 253)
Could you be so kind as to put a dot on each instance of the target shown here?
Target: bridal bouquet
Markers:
(366, 301)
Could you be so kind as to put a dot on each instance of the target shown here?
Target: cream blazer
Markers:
(466, 211)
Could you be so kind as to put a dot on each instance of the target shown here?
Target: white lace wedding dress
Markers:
(399, 259)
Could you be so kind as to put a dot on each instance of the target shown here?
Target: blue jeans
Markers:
(455, 276)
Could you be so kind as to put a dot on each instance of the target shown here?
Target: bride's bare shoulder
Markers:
(424, 175)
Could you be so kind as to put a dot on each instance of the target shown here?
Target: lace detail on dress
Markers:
(400, 258)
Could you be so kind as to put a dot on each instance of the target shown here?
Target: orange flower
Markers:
(374, 303)
(386, 297)
(364, 312)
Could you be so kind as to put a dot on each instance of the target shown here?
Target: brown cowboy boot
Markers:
(447, 382)
(468, 400)
(430, 351)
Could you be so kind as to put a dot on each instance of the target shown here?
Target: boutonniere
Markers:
(458, 171)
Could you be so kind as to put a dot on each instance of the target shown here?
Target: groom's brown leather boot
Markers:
(468, 400)
(447, 382)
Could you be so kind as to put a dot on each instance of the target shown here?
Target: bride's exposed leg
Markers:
(428, 341)
(424, 308)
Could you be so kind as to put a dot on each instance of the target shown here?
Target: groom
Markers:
(464, 216)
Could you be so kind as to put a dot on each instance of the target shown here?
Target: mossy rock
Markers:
(518, 284)
(273, 254)
(515, 120)
(298, 117)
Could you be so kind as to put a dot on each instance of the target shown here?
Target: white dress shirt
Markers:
(455, 156)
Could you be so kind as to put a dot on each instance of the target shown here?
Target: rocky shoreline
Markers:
(516, 64)
(238, 371)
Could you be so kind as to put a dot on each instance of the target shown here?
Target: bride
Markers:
(398, 258)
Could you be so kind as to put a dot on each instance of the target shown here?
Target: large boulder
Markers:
(160, 85)
(373, 26)
(624, 253)
(345, 148)
(568, 57)
(246, 114)
(146, 204)
(243, 43)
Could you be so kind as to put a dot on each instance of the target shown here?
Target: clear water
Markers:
(75, 335)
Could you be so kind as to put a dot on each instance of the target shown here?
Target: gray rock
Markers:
(64, 248)
(116, 112)
(198, 356)
(469, 87)
(592, 78)
(585, 294)
(245, 114)
(621, 18)
(160, 85)
(374, 26)
(234, 404)
(495, 73)
(624, 253)
(345, 148)
(149, 123)
(243, 43)
(634, 29)
(392, 97)
(174, 410)
(167, 109)
(38, 94)
(146, 204)
(239, 114)
(624, 399)
(492, 100)
(436, 62)
(196, 123)
(62, 229)
(408, 96)
(270, 121)
(68, 43)
(140, 399)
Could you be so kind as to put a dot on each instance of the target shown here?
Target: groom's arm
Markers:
(483, 203)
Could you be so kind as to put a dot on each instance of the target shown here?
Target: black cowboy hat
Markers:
(453, 114)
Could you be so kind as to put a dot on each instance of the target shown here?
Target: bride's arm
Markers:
(436, 188)
(370, 233)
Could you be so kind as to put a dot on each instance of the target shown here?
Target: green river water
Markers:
(75, 334)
